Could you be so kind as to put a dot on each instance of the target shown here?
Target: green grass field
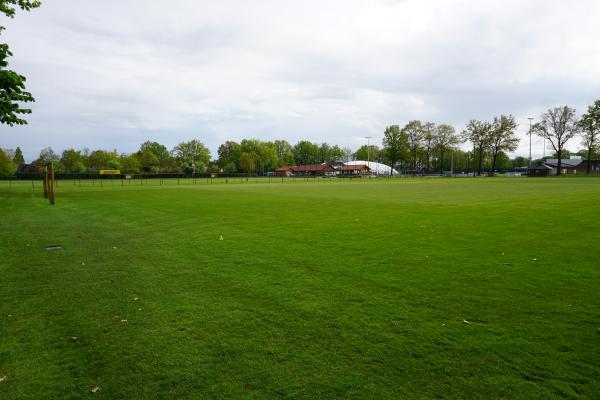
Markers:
(318, 290)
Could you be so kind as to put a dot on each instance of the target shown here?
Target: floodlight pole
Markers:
(530, 119)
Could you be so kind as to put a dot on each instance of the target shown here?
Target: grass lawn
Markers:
(318, 290)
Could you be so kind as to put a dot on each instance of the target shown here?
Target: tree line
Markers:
(249, 156)
(417, 147)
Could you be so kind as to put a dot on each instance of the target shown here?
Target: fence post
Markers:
(52, 183)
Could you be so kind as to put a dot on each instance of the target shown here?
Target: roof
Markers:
(541, 166)
(308, 168)
(284, 169)
(566, 163)
(356, 167)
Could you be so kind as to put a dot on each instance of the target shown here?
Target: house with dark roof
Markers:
(354, 170)
(573, 165)
(306, 170)
(540, 170)
(567, 166)
(284, 171)
(313, 170)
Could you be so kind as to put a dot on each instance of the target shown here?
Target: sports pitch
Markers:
(417, 288)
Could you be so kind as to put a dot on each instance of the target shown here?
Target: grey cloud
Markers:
(115, 73)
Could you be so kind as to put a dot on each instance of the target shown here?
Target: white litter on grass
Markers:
(123, 321)
(136, 298)
(466, 322)
(535, 259)
(2, 378)
(114, 247)
(221, 237)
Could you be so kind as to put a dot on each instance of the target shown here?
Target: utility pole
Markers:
(530, 119)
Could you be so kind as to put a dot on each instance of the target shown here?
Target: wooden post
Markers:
(46, 182)
(52, 183)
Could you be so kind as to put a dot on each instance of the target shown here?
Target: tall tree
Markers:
(159, 150)
(502, 137)
(590, 127)
(149, 162)
(71, 162)
(324, 150)
(558, 125)
(47, 155)
(267, 155)
(519, 161)
(478, 133)
(306, 153)
(262, 152)
(193, 155)
(395, 144)
(18, 158)
(429, 132)
(229, 153)
(284, 151)
(415, 135)
(7, 167)
(336, 154)
(369, 153)
(248, 161)
(12, 85)
(445, 139)
(130, 163)
(102, 159)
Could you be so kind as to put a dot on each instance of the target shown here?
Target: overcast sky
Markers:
(114, 73)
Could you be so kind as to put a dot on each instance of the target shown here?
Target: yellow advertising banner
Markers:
(110, 172)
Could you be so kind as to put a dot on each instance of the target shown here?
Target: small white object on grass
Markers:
(95, 390)
(220, 237)
(123, 321)
(114, 247)
(2, 378)
(466, 322)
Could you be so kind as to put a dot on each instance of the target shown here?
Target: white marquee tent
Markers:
(376, 168)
